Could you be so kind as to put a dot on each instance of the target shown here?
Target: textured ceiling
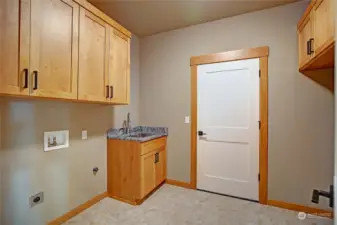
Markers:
(145, 18)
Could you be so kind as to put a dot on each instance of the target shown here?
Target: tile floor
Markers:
(172, 205)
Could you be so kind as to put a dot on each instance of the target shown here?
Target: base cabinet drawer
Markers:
(152, 145)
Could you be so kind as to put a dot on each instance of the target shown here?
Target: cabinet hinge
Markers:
(260, 73)
(258, 177)
(259, 125)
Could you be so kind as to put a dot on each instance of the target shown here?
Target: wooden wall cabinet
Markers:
(324, 24)
(135, 169)
(305, 40)
(63, 49)
(93, 71)
(14, 46)
(54, 48)
(119, 67)
(316, 36)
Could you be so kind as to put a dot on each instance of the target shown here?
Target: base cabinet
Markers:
(135, 169)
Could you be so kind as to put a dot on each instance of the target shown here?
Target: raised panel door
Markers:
(54, 48)
(148, 182)
(14, 46)
(160, 166)
(119, 66)
(324, 24)
(93, 63)
(304, 36)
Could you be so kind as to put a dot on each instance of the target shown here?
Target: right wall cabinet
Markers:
(316, 36)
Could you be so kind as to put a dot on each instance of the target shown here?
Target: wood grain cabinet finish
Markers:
(132, 172)
(54, 48)
(93, 71)
(64, 49)
(119, 67)
(316, 36)
(14, 46)
(304, 41)
(160, 166)
(324, 25)
(147, 173)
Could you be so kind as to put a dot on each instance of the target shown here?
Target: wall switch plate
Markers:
(56, 140)
(84, 135)
(187, 119)
(36, 199)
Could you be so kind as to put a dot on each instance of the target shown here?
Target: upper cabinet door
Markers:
(305, 41)
(324, 28)
(119, 67)
(54, 48)
(93, 66)
(14, 46)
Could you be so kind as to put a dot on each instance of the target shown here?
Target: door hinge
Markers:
(258, 177)
(259, 125)
(259, 73)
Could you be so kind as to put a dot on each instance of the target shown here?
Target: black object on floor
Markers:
(317, 193)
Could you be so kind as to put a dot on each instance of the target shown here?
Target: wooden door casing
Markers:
(14, 46)
(54, 48)
(93, 61)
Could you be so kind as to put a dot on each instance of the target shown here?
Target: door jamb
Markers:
(261, 53)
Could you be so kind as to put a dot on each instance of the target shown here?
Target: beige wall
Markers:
(65, 176)
(300, 110)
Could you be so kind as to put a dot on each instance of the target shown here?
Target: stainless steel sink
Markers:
(141, 135)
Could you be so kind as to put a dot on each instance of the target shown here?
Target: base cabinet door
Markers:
(160, 159)
(148, 180)
(119, 67)
(14, 46)
(54, 48)
(324, 25)
(93, 62)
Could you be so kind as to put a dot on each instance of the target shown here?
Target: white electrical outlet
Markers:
(187, 119)
(84, 135)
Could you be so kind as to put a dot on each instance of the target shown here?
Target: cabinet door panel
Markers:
(93, 66)
(304, 35)
(161, 167)
(147, 174)
(324, 28)
(14, 46)
(54, 48)
(119, 66)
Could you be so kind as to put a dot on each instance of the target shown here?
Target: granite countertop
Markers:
(139, 134)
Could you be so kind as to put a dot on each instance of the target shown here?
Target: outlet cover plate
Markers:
(84, 135)
(36, 199)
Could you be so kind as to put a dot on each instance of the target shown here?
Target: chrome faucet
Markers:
(127, 125)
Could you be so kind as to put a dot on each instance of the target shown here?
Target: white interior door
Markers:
(228, 114)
